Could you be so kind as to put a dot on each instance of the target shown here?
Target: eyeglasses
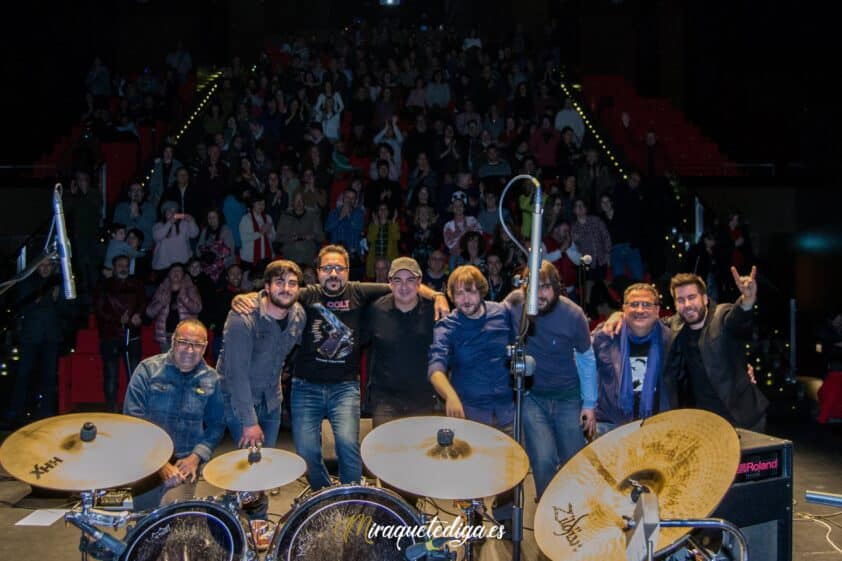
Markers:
(327, 269)
(185, 345)
(640, 304)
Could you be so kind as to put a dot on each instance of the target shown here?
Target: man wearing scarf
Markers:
(630, 367)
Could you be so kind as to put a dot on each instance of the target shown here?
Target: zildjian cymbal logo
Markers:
(42, 469)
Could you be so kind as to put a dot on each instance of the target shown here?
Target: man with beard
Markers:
(560, 404)
(707, 358)
(470, 343)
(325, 380)
(630, 367)
(254, 348)
(704, 351)
(119, 304)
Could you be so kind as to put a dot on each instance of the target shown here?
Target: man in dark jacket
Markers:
(707, 352)
(118, 306)
(41, 304)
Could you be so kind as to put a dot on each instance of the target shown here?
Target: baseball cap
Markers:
(405, 264)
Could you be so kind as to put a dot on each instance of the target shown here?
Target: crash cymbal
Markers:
(234, 472)
(52, 453)
(687, 457)
(482, 461)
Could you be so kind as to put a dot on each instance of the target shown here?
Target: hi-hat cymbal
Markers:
(52, 453)
(687, 457)
(482, 461)
(233, 472)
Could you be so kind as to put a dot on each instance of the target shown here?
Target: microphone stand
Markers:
(518, 366)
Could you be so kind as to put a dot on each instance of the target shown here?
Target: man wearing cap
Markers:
(400, 328)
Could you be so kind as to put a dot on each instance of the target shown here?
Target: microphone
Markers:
(534, 253)
(64, 251)
(107, 541)
(586, 260)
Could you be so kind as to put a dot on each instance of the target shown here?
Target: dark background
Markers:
(759, 77)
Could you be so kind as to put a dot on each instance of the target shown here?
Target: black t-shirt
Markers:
(698, 390)
(437, 284)
(283, 322)
(399, 345)
(330, 344)
(638, 358)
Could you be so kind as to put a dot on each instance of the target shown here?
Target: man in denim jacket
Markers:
(180, 393)
(255, 346)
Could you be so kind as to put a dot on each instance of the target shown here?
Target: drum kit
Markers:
(630, 495)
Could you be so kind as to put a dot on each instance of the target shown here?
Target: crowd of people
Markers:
(380, 154)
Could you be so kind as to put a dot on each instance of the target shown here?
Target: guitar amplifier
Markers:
(760, 499)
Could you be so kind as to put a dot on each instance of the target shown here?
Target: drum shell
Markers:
(348, 501)
(225, 523)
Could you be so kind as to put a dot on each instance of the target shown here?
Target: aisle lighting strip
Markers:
(213, 77)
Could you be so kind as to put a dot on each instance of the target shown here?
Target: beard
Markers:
(277, 301)
(701, 315)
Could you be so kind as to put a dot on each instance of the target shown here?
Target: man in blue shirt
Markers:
(471, 344)
(561, 401)
(180, 393)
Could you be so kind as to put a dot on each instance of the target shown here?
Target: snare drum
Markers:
(197, 529)
(333, 523)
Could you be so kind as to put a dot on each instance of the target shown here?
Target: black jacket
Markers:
(722, 346)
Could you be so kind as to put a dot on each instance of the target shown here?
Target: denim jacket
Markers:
(252, 359)
(188, 406)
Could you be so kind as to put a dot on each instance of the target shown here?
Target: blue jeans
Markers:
(340, 403)
(552, 435)
(269, 421)
(624, 256)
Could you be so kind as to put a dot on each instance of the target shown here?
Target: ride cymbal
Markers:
(481, 461)
(687, 457)
(85, 451)
(234, 472)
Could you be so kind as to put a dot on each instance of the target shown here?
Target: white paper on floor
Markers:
(41, 517)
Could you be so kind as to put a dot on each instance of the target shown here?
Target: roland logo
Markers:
(762, 466)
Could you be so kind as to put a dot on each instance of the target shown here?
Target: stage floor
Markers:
(817, 466)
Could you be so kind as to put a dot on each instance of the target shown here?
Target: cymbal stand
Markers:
(469, 509)
(103, 546)
(645, 524)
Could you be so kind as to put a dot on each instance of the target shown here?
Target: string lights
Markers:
(211, 84)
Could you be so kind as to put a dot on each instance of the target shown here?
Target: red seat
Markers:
(87, 341)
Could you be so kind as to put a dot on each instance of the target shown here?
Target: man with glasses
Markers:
(400, 328)
(180, 393)
(630, 367)
(325, 379)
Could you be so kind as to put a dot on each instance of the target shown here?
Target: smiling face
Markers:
(640, 311)
(690, 304)
(333, 272)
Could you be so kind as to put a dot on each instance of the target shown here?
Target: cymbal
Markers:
(687, 457)
(482, 461)
(233, 472)
(51, 453)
